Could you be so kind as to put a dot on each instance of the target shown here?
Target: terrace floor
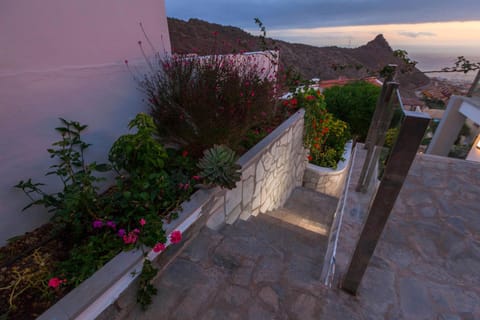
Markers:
(426, 265)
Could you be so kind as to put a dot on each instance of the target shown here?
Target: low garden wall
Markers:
(326, 180)
(270, 172)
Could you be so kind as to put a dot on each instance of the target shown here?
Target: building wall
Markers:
(66, 59)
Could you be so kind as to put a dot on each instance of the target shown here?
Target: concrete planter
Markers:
(327, 180)
(270, 172)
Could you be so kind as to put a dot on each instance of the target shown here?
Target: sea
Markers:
(438, 60)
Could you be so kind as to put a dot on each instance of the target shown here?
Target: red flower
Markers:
(184, 153)
(175, 236)
(159, 247)
(56, 282)
(310, 98)
(293, 101)
(310, 158)
(196, 178)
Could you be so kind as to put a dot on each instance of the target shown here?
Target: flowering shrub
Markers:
(199, 102)
(325, 136)
(151, 184)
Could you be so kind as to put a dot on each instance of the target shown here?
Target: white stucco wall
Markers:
(65, 59)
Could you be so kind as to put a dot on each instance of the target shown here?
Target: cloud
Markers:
(323, 13)
(412, 34)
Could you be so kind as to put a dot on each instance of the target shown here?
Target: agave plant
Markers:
(218, 166)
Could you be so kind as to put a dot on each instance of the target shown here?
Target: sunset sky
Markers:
(426, 26)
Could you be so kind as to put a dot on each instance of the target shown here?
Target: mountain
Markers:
(201, 37)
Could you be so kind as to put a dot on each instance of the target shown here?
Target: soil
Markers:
(19, 263)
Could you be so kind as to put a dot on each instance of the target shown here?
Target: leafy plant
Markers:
(218, 166)
(324, 136)
(355, 104)
(78, 203)
(146, 289)
(199, 102)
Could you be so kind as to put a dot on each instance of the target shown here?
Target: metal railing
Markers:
(393, 161)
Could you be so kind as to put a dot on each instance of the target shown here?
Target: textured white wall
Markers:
(65, 59)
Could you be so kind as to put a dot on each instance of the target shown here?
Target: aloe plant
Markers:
(218, 166)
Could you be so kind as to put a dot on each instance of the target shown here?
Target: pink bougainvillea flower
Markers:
(97, 224)
(121, 233)
(136, 231)
(111, 224)
(186, 186)
(184, 153)
(142, 222)
(196, 178)
(175, 236)
(159, 247)
(56, 282)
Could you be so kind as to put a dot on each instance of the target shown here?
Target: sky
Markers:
(422, 27)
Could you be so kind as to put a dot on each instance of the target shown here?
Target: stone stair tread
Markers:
(310, 202)
(319, 225)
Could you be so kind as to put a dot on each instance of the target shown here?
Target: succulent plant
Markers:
(218, 166)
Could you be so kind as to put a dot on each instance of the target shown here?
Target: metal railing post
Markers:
(403, 153)
(382, 123)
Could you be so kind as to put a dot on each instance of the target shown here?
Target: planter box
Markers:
(327, 180)
(270, 172)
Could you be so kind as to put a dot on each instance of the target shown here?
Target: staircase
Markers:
(268, 267)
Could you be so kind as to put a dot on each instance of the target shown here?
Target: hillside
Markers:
(197, 36)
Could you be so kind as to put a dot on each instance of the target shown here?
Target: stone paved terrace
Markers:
(426, 266)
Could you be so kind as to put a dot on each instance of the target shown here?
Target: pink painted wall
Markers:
(65, 59)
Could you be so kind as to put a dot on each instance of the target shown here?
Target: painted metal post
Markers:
(403, 153)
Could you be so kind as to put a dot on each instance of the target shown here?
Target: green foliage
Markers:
(88, 256)
(355, 104)
(391, 137)
(151, 185)
(325, 136)
(147, 189)
(218, 166)
(146, 290)
(139, 152)
(199, 102)
(78, 203)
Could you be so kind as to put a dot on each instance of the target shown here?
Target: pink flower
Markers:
(121, 233)
(186, 186)
(136, 231)
(142, 222)
(196, 178)
(56, 282)
(130, 238)
(175, 236)
(97, 224)
(111, 224)
(159, 247)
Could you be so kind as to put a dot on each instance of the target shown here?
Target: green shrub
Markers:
(355, 104)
